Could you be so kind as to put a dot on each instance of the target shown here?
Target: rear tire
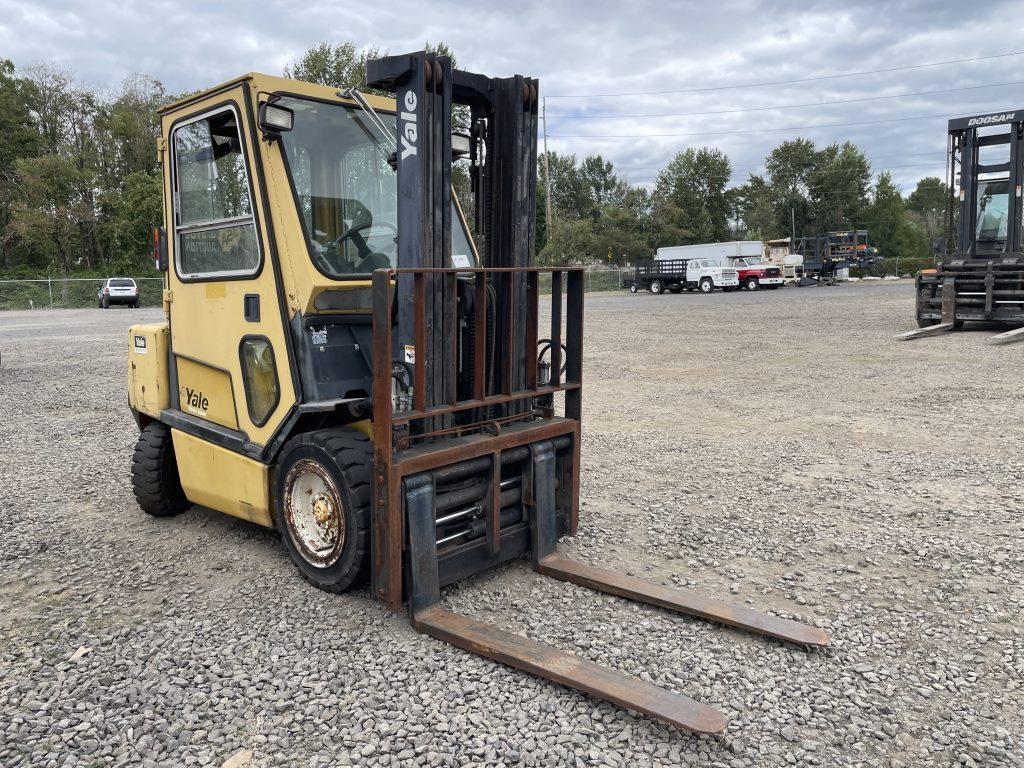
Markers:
(656, 287)
(322, 506)
(155, 478)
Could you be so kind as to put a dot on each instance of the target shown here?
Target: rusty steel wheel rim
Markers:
(314, 513)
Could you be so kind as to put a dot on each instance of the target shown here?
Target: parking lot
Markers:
(776, 448)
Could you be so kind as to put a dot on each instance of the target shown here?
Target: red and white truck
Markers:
(754, 273)
(745, 256)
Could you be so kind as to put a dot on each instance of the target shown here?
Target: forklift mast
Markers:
(985, 167)
(503, 163)
(475, 461)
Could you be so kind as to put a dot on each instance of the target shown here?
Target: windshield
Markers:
(992, 210)
(347, 192)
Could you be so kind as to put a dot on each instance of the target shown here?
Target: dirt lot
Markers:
(775, 447)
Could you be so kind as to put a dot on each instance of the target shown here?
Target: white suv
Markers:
(706, 275)
(118, 290)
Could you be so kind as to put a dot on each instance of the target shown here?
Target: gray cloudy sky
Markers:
(583, 48)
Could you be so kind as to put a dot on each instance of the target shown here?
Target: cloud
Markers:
(599, 47)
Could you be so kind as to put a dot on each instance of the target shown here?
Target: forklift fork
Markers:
(427, 615)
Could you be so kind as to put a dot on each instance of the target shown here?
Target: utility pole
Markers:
(547, 169)
(792, 228)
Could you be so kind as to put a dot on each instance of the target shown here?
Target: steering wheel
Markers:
(355, 235)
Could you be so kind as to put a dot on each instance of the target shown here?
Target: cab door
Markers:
(228, 334)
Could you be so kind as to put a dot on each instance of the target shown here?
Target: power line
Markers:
(755, 130)
(786, 82)
(786, 106)
(817, 173)
(758, 163)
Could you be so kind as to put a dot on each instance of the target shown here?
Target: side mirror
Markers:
(160, 248)
(460, 146)
(275, 120)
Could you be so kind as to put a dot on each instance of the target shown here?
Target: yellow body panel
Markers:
(149, 389)
(208, 323)
(206, 392)
(223, 480)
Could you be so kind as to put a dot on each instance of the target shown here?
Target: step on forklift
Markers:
(342, 363)
(981, 276)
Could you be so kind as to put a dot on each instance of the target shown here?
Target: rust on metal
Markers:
(419, 390)
(531, 330)
(394, 433)
(480, 336)
(694, 604)
(566, 669)
(556, 330)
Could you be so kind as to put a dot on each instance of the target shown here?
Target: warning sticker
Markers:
(140, 345)
(410, 354)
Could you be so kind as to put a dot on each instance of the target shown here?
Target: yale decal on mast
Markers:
(409, 132)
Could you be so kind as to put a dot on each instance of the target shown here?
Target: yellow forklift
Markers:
(343, 363)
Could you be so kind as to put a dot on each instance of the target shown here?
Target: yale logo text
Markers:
(409, 132)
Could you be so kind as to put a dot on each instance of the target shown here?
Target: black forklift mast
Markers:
(503, 174)
(476, 467)
(966, 166)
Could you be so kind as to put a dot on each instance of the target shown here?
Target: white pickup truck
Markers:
(705, 275)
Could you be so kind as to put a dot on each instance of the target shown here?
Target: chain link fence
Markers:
(595, 280)
(68, 292)
(73, 292)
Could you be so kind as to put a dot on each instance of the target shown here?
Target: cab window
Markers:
(347, 192)
(214, 226)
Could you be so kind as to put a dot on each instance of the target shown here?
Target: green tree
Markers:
(571, 241)
(18, 138)
(571, 194)
(788, 169)
(131, 213)
(694, 183)
(339, 66)
(890, 230)
(838, 187)
(928, 206)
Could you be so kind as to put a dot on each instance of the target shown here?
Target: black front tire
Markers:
(155, 478)
(633, 288)
(752, 284)
(346, 456)
(706, 285)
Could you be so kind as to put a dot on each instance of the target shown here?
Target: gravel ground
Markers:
(776, 447)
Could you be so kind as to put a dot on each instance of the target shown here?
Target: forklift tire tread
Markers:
(348, 456)
(155, 473)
